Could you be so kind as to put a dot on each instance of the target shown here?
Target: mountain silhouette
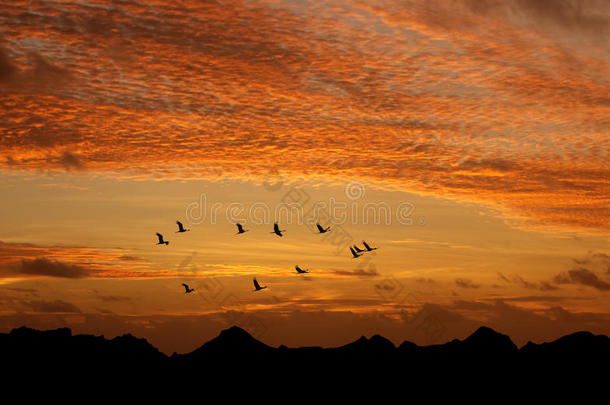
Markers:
(236, 353)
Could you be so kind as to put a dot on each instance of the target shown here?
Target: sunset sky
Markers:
(468, 140)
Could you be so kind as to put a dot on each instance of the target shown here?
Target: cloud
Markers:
(517, 279)
(57, 306)
(371, 272)
(115, 298)
(70, 161)
(52, 268)
(582, 276)
(28, 259)
(7, 69)
(465, 283)
(506, 113)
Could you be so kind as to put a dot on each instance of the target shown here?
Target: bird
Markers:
(300, 270)
(181, 228)
(368, 248)
(257, 286)
(277, 230)
(357, 249)
(354, 253)
(188, 289)
(240, 228)
(161, 241)
(321, 229)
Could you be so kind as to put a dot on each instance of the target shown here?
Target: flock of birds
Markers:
(355, 250)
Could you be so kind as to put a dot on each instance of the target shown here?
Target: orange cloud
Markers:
(23, 260)
(493, 104)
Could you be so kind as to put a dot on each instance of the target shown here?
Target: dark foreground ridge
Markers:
(236, 353)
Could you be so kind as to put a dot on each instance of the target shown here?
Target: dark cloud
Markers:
(371, 272)
(52, 306)
(115, 298)
(68, 160)
(129, 258)
(517, 279)
(530, 298)
(43, 266)
(582, 276)
(32, 291)
(466, 283)
(424, 280)
(7, 69)
(546, 286)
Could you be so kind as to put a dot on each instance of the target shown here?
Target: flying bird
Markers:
(257, 286)
(321, 229)
(354, 253)
(300, 270)
(161, 241)
(357, 249)
(188, 289)
(240, 228)
(368, 248)
(277, 230)
(181, 227)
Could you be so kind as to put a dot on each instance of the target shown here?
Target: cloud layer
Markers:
(504, 102)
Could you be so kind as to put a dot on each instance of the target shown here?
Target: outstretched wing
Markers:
(160, 237)
(276, 227)
(186, 287)
(256, 284)
(366, 245)
(320, 228)
(239, 227)
(353, 251)
(180, 227)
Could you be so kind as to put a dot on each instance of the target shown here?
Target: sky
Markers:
(468, 141)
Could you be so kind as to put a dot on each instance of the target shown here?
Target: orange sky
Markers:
(477, 131)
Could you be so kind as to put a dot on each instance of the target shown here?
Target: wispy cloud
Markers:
(582, 276)
(465, 283)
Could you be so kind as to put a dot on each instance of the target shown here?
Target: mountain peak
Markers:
(230, 342)
(235, 332)
(486, 338)
(381, 341)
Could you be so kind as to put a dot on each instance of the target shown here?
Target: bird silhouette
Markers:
(300, 270)
(354, 253)
(277, 230)
(321, 229)
(257, 286)
(181, 228)
(357, 249)
(240, 228)
(188, 289)
(368, 248)
(161, 241)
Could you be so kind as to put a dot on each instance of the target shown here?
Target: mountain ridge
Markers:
(237, 335)
(235, 352)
